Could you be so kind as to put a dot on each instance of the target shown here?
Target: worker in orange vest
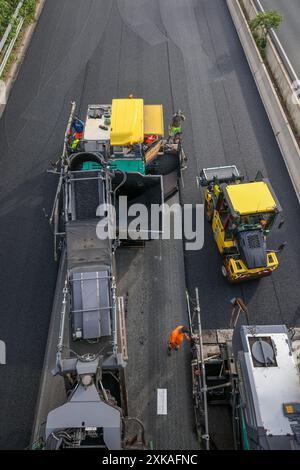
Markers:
(176, 338)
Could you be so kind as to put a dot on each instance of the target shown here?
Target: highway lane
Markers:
(229, 125)
(181, 53)
(289, 30)
(121, 63)
(31, 134)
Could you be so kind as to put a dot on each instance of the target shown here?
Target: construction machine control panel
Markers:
(98, 123)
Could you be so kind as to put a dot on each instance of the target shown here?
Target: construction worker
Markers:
(76, 133)
(263, 223)
(176, 338)
(76, 138)
(78, 125)
(175, 128)
(178, 118)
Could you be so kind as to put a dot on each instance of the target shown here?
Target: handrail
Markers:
(14, 38)
(9, 27)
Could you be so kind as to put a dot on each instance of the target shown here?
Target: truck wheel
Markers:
(224, 271)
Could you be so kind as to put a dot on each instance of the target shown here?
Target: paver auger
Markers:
(242, 215)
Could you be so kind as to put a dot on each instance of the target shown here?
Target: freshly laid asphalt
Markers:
(181, 53)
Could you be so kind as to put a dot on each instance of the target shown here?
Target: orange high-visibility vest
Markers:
(176, 337)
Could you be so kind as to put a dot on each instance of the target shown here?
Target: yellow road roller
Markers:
(242, 215)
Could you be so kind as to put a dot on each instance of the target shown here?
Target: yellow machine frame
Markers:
(247, 199)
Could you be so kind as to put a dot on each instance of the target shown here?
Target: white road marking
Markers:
(162, 401)
(2, 353)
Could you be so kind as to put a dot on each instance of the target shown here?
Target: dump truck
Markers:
(242, 215)
(255, 371)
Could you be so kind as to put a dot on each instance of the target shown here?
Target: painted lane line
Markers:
(162, 401)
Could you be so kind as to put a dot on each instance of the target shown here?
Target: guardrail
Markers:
(8, 46)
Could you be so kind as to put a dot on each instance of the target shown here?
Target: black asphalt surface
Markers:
(152, 281)
(289, 30)
(181, 53)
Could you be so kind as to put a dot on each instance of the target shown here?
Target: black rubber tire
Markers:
(224, 272)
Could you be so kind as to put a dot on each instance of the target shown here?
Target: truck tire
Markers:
(224, 272)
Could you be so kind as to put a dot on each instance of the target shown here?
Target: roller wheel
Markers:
(224, 271)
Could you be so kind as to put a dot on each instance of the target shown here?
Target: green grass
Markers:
(7, 9)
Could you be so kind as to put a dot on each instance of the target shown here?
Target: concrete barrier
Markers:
(282, 78)
(283, 132)
(284, 84)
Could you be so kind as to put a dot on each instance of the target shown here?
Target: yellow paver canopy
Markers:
(153, 119)
(251, 198)
(127, 121)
